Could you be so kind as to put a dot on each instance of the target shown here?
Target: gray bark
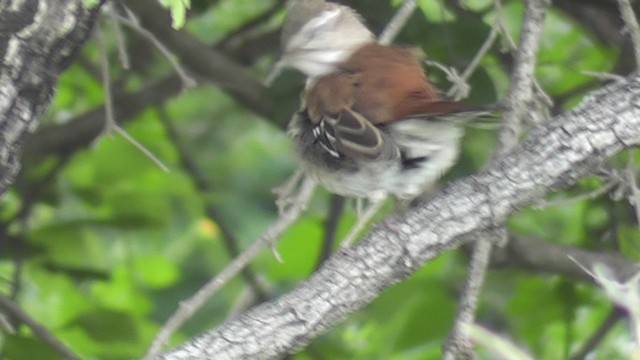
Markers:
(38, 40)
(554, 156)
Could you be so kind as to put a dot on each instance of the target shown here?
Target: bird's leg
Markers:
(287, 192)
(364, 214)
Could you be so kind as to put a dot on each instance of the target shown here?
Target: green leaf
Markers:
(108, 326)
(178, 9)
(629, 241)
(90, 3)
(21, 347)
(156, 271)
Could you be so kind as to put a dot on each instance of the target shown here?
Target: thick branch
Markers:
(83, 129)
(38, 39)
(554, 156)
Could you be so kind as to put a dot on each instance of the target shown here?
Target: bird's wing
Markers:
(351, 134)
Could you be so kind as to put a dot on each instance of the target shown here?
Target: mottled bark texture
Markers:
(38, 39)
(554, 155)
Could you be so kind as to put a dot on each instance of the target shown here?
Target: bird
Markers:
(370, 124)
(317, 35)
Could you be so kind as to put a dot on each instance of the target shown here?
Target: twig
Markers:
(117, 31)
(460, 89)
(189, 307)
(141, 148)
(521, 83)
(614, 316)
(542, 204)
(506, 37)
(603, 76)
(625, 293)
(634, 197)
(631, 23)
(459, 346)
(457, 93)
(398, 21)
(5, 325)
(251, 25)
(284, 192)
(38, 329)
(133, 22)
(363, 218)
(336, 209)
(110, 122)
(496, 344)
(511, 46)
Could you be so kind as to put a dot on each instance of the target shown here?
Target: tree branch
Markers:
(39, 330)
(38, 41)
(520, 101)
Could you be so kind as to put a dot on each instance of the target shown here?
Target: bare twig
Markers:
(625, 293)
(496, 344)
(397, 22)
(37, 329)
(110, 122)
(542, 204)
(459, 93)
(510, 45)
(460, 88)
(596, 338)
(5, 325)
(285, 191)
(117, 31)
(364, 216)
(521, 84)
(632, 183)
(132, 21)
(459, 345)
(141, 148)
(336, 210)
(251, 26)
(631, 24)
(508, 41)
(189, 307)
(603, 76)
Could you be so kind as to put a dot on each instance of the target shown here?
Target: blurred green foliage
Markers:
(111, 244)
